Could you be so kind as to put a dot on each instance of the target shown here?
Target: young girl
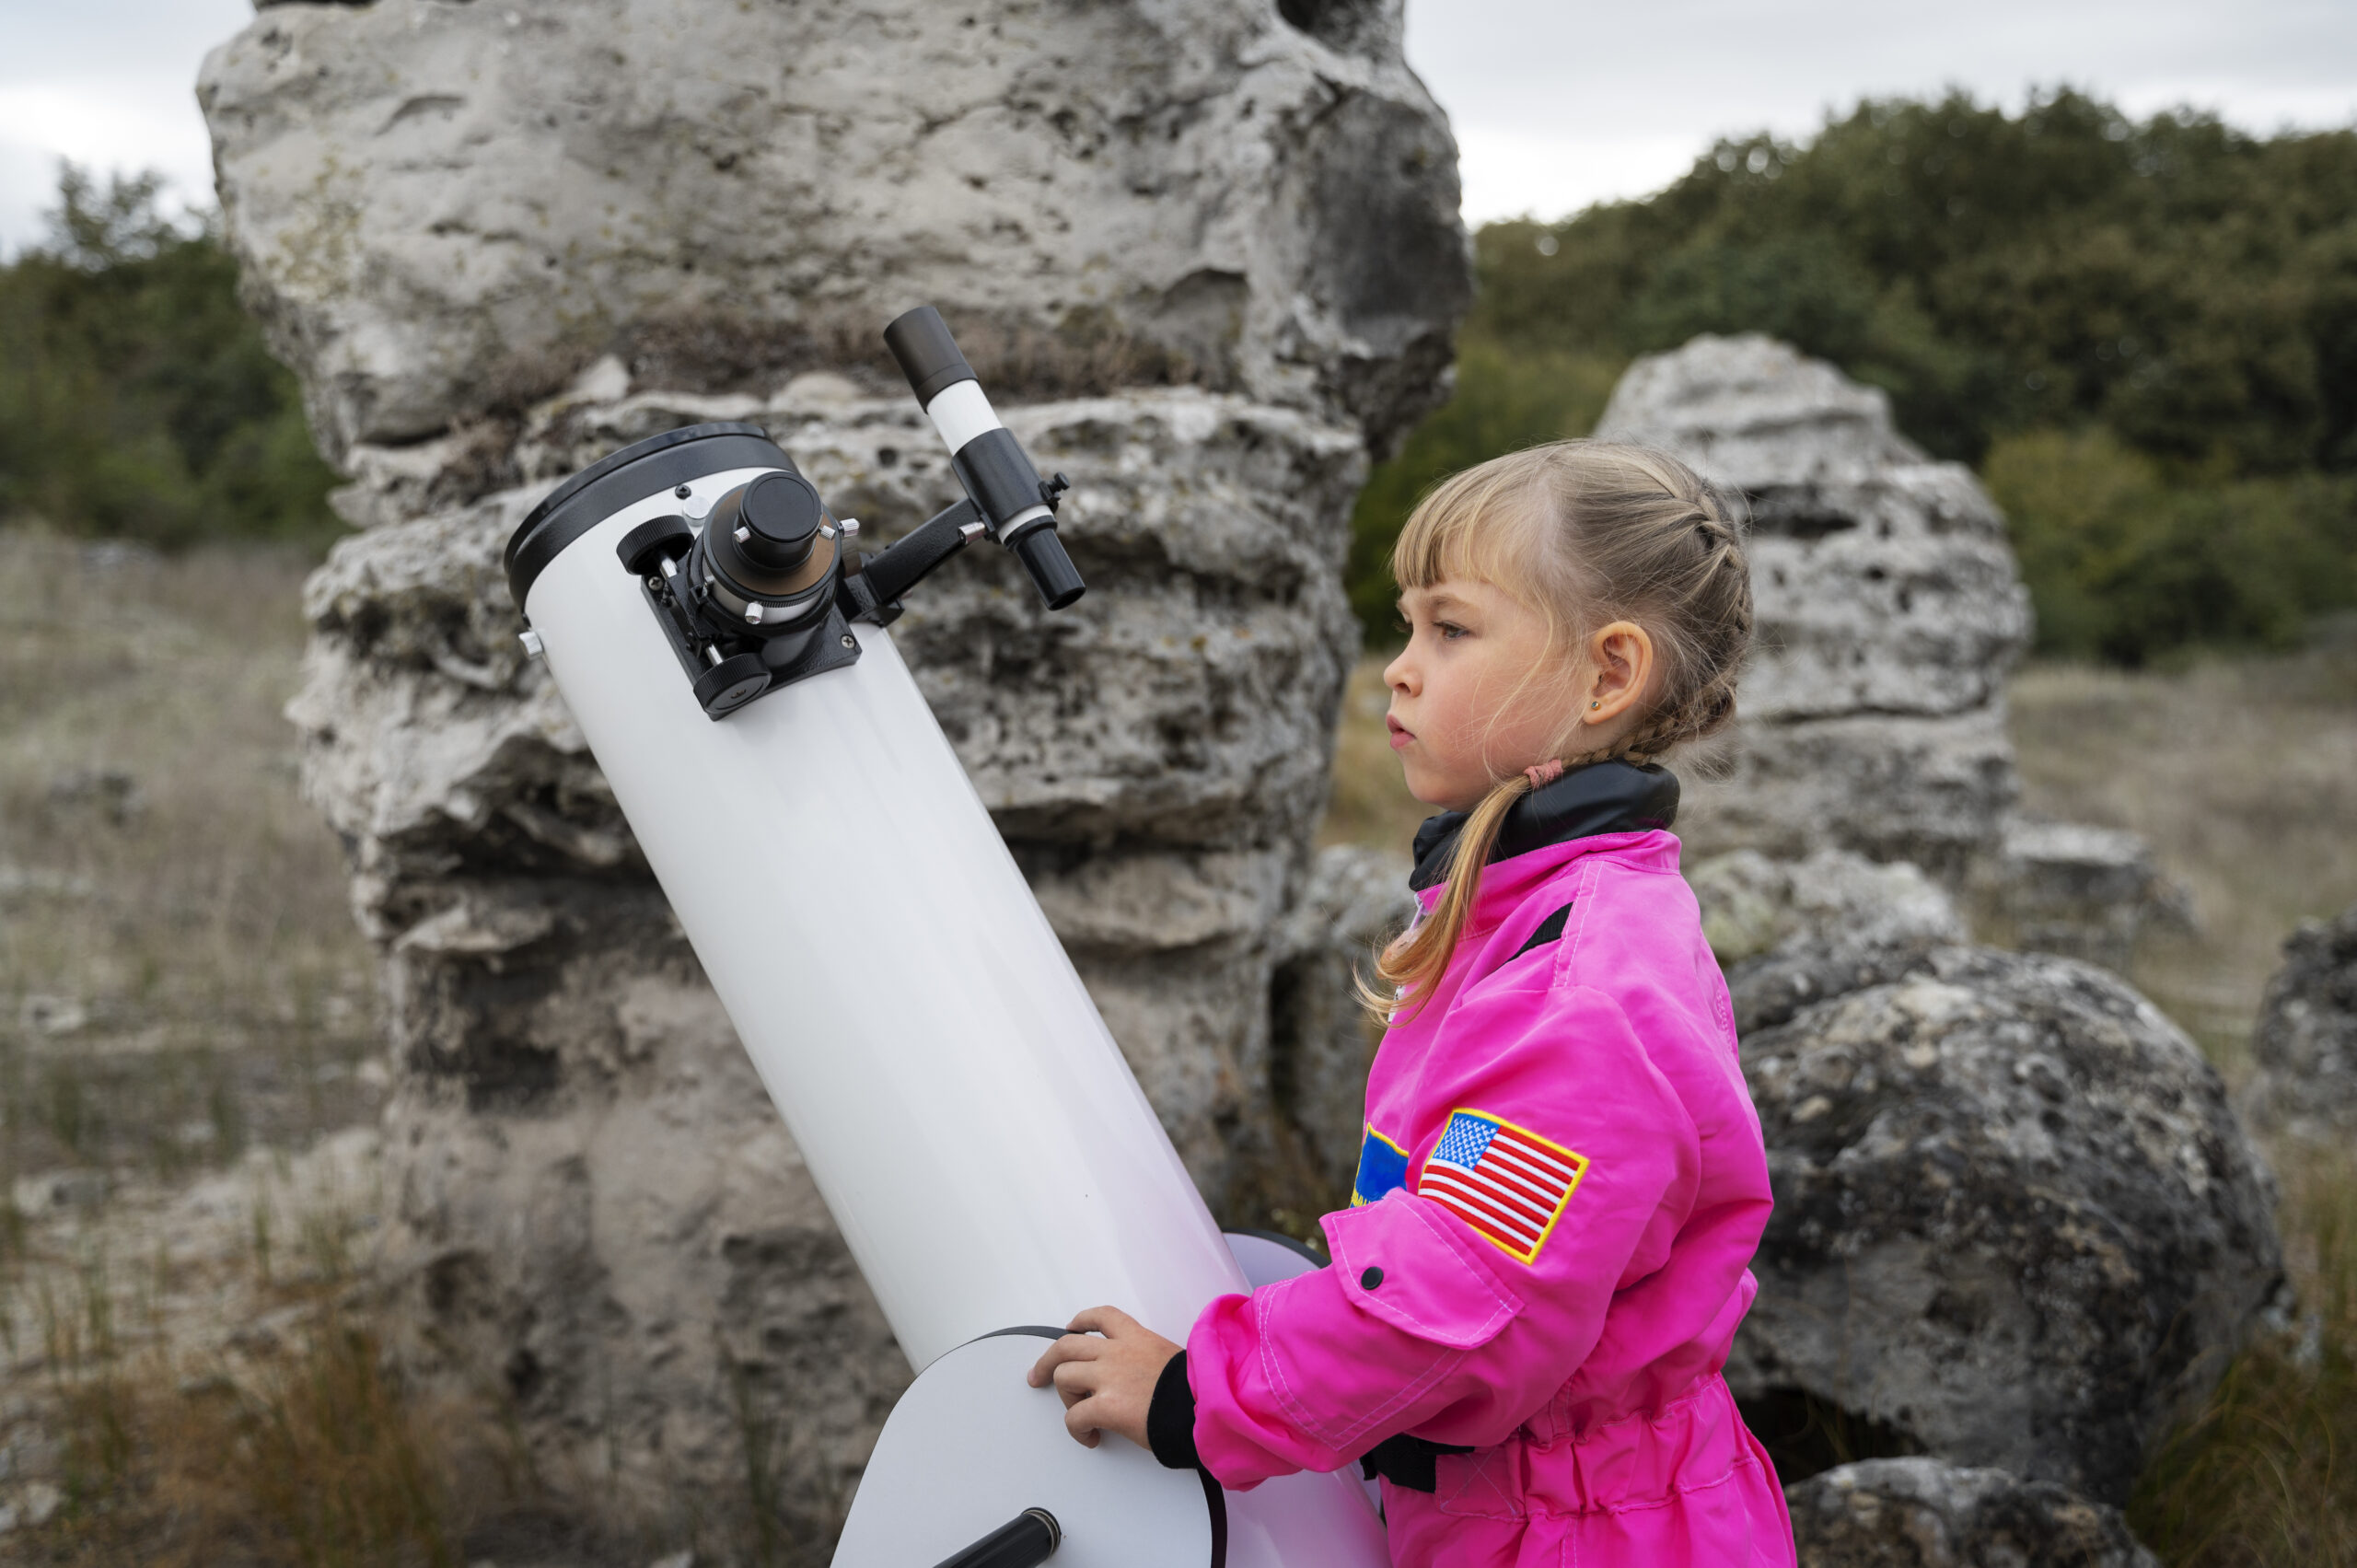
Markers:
(1563, 1180)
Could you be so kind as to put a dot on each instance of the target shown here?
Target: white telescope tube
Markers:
(968, 1121)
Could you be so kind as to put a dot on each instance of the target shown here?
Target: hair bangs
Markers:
(1472, 527)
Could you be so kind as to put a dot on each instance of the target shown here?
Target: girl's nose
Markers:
(1398, 674)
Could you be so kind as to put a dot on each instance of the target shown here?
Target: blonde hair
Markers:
(1584, 533)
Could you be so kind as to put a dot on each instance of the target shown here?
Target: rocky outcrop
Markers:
(1790, 933)
(444, 209)
(1924, 1514)
(1873, 715)
(499, 242)
(1321, 1039)
(2305, 1046)
(2016, 1224)
(2081, 891)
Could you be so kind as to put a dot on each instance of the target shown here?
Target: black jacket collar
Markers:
(1603, 797)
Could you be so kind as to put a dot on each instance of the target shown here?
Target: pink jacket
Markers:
(1547, 1252)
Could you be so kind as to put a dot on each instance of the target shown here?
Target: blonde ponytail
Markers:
(1414, 960)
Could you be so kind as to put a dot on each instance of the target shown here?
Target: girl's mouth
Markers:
(1400, 733)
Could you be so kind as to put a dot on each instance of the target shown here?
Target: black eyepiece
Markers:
(780, 515)
(1042, 555)
(928, 355)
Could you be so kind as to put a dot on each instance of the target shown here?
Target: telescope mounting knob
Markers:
(732, 683)
(647, 544)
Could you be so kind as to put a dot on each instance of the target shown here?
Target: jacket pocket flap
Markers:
(1397, 1263)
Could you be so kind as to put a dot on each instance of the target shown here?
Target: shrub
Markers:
(2165, 310)
(2122, 565)
(137, 398)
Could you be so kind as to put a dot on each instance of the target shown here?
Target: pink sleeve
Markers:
(1427, 1321)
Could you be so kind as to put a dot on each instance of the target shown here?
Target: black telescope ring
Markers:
(640, 470)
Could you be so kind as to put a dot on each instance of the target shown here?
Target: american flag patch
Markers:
(1506, 1182)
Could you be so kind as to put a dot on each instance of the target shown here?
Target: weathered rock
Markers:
(2305, 1046)
(2016, 1224)
(443, 210)
(1322, 1039)
(2080, 892)
(1790, 933)
(497, 243)
(1889, 612)
(1924, 1513)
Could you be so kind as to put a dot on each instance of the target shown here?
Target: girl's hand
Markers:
(1105, 1383)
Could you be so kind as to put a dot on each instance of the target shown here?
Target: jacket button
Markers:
(1371, 1279)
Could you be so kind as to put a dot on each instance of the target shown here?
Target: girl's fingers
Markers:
(1071, 1347)
(1103, 1369)
(1110, 1322)
(1075, 1380)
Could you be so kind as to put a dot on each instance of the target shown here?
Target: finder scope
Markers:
(1018, 507)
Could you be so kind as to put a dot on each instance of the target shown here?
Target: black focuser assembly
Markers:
(760, 592)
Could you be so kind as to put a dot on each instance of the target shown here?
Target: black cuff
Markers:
(1171, 1418)
(1407, 1461)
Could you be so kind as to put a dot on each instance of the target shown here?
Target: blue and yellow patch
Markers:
(1382, 1166)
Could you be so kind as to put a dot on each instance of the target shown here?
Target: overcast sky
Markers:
(1557, 103)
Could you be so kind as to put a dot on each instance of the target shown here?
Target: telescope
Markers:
(968, 1121)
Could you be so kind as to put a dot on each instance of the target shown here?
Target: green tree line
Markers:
(136, 400)
(2143, 334)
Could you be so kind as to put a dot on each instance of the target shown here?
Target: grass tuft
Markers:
(2267, 1474)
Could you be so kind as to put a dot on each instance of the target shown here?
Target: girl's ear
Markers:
(1622, 656)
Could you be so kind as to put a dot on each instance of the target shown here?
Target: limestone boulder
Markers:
(2081, 891)
(1920, 1513)
(2016, 1227)
(2305, 1045)
(1321, 1039)
(1889, 612)
(1791, 932)
(443, 211)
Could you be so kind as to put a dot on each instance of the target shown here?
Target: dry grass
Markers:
(2243, 774)
(178, 968)
(289, 1444)
(188, 1370)
(2267, 1474)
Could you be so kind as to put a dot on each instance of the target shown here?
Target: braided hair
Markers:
(1586, 533)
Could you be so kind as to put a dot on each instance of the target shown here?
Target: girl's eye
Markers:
(1448, 629)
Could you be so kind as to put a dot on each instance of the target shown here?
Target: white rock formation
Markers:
(1873, 712)
(444, 206)
(1206, 257)
(1917, 1512)
(2016, 1222)
(2304, 1049)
